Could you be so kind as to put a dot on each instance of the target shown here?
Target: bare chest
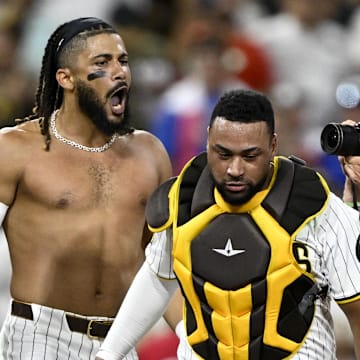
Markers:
(85, 183)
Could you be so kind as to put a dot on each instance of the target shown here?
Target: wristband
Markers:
(180, 330)
(106, 355)
(3, 211)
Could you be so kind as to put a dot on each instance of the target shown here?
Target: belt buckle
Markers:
(89, 328)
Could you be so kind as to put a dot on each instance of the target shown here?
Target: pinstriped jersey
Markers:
(325, 247)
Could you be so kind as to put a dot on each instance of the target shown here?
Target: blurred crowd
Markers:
(185, 53)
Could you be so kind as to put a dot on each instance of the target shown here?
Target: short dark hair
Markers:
(60, 50)
(244, 105)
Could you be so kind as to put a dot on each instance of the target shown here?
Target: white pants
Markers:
(47, 337)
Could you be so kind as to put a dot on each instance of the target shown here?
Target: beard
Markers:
(91, 105)
(234, 198)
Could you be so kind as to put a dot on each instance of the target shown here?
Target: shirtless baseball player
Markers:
(74, 181)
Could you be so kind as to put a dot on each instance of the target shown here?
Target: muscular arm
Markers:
(352, 312)
(11, 161)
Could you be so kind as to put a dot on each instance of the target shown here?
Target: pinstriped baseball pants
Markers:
(47, 337)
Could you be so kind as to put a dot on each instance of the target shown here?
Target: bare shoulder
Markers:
(18, 147)
(147, 138)
(18, 141)
(151, 146)
(20, 131)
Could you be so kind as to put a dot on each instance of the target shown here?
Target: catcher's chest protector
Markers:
(246, 297)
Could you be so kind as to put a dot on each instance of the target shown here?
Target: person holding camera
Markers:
(343, 139)
(258, 244)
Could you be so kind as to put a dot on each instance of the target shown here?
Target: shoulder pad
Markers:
(157, 210)
(297, 160)
(298, 193)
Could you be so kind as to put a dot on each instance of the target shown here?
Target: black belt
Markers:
(92, 328)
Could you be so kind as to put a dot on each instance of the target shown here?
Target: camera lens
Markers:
(339, 139)
(331, 138)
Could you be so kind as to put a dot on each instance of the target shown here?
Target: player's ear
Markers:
(65, 78)
(274, 144)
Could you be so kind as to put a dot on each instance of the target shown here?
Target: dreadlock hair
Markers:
(59, 52)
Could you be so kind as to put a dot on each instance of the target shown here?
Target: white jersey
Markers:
(328, 244)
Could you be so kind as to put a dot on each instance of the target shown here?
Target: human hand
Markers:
(351, 164)
(351, 168)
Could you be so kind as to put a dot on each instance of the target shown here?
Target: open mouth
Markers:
(118, 99)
